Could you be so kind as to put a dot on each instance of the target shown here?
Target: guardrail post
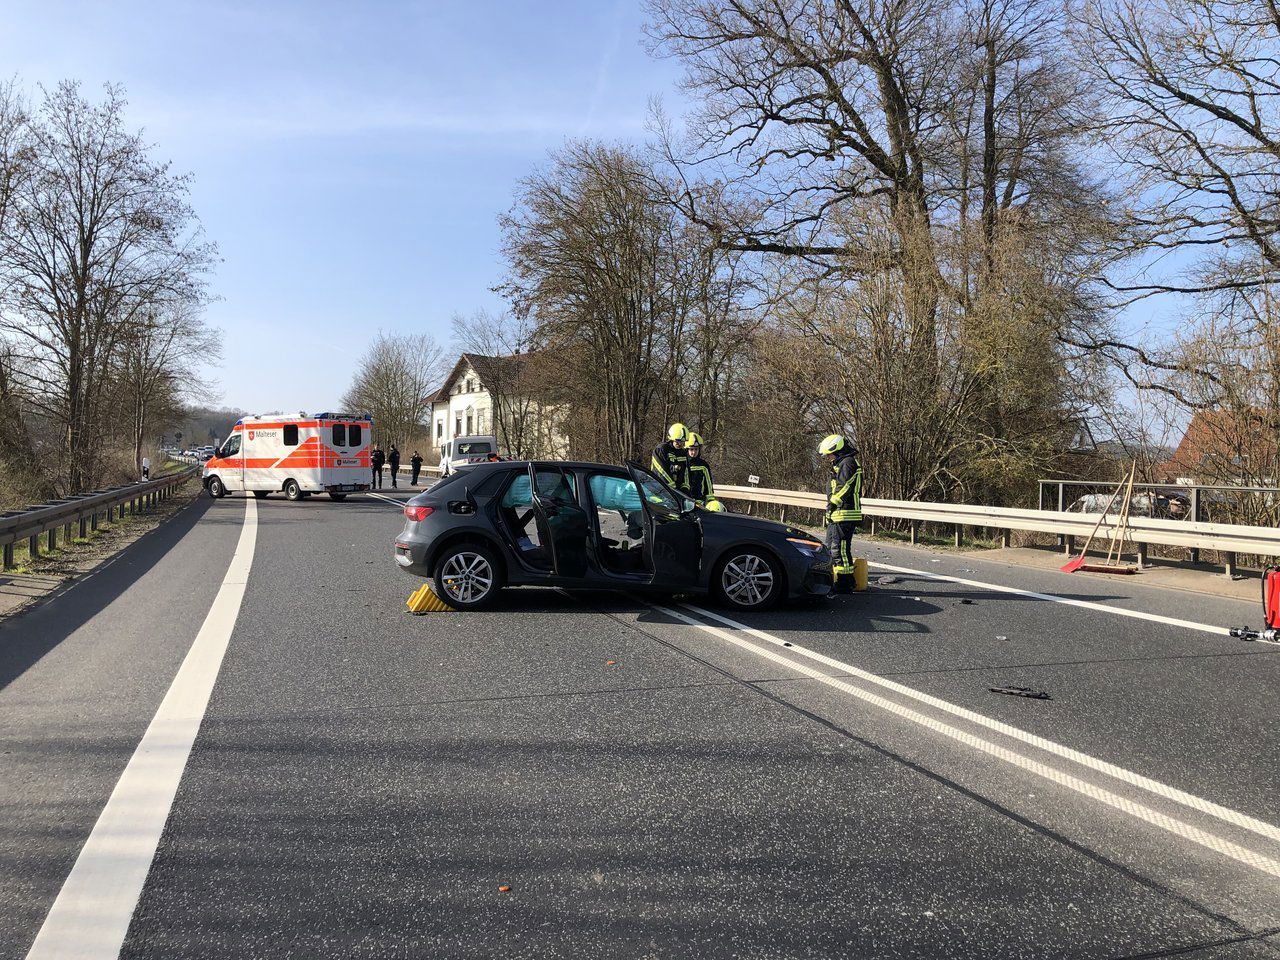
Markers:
(1195, 518)
(1142, 555)
(958, 535)
(53, 538)
(1006, 538)
(873, 526)
(1062, 505)
(1229, 565)
(8, 556)
(915, 525)
(1068, 543)
(33, 546)
(84, 522)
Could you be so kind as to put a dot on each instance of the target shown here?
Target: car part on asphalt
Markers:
(1021, 692)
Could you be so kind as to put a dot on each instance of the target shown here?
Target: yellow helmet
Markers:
(833, 443)
(695, 440)
(677, 431)
(715, 506)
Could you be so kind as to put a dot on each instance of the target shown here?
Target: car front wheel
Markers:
(467, 576)
(747, 579)
(216, 489)
(292, 491)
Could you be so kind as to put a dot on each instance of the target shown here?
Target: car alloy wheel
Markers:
(292, 491)
(747, 580)
(467, 577)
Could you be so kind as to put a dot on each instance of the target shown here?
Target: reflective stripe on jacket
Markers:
(844, 502)
(670, 465)
(699, 474)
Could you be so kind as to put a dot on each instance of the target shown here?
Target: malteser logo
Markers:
(250, 434)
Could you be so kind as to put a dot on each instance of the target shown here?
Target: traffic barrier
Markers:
(1229, 539)
(82, 512)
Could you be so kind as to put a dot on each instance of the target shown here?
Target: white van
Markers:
(464, 451)
(321, 453)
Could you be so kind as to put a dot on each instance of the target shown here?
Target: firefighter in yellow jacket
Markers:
(844, 507)
(671, 460)
(698, 472)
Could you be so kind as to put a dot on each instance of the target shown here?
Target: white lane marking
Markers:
(1054, 598)
(391, 500)
(91, 915)
(1147, 814)
(1225, 814)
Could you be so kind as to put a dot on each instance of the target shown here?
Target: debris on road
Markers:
(885, 581)
(966, 600)
(1021, 692)
(610, 663)
(504, 888)
(999, 637)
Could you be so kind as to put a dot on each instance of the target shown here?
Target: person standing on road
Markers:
(415, 466)
(670, 460)
(844, 507)
(376, 459)
(699, 474)
(393, 461)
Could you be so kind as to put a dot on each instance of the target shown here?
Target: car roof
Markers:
(568, 464)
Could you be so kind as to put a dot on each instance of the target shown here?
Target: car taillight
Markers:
(417, 514)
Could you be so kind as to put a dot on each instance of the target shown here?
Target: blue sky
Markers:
(349, 159)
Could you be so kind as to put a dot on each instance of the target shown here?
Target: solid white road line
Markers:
(391, 500)
(1208, 807)
(90, 917)
(1186, 831)
(1068, 601)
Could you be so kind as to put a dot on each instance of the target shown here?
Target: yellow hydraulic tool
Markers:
(423, 600)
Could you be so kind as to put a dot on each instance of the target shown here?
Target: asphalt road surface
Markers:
(234, 741)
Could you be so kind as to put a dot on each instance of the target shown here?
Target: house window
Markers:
(457, 426)
(469, 428)
(479, 421)
(439, 429)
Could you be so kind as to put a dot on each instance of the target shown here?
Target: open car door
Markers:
(674, 538)
(562, 522)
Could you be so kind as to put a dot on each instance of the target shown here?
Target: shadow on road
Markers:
(27, 637)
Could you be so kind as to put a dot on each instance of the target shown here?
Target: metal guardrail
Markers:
(83, 511)
(1229, 539)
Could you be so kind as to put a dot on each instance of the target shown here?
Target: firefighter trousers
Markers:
(840, 544)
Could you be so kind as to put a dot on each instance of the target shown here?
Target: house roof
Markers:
(1218, 440)
(488, 369)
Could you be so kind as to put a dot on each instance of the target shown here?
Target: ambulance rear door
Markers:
(349, 442)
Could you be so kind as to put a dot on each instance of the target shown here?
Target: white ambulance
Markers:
(320, 453)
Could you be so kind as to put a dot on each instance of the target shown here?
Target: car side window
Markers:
(556, 485)
(231, 447)
(656, 493)
(520, 519)
(290, 434)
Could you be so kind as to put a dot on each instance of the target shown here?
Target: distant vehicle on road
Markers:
(589, 525)
(463, 452)
(320, 453)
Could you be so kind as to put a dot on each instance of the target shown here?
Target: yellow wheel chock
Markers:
(423, 600)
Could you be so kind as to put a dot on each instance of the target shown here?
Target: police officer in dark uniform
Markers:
(376, 461)
(844, 507)
(415, 464)
(670, 459)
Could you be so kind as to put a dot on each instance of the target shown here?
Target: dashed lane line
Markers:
(90, 916)
(1140, 811)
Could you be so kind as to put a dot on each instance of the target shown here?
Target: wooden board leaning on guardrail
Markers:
(83, 510)
(1226, 537)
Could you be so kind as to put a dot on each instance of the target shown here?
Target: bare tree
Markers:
(395, 377)
(98, 234)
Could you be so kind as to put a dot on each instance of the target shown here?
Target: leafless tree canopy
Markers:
(102, 272)
(393, 382)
